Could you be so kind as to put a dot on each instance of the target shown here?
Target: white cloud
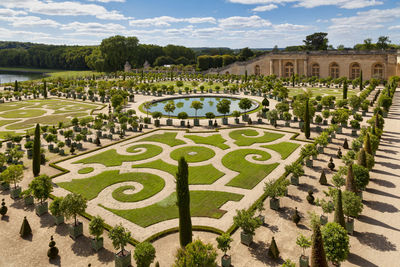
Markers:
(66, 8)
(165, 21)
(33, 21)
(244, 22)
(107, 1)
(11, 12)
(265, 8)
(347, 4)
(395, 27)
(93, 27)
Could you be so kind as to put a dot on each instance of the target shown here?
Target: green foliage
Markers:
(52, 253)
(119, 237)
(303, 242)
(274, 189)
(72, 205)
(96, 226)
(316, 41)
(336, 242)
(350, 184)
(13, 174)
(224, 242)
(245, 220)
(361, 176)
(288, 263)
(36, 152)
(196, 254)
(296, 216)
(283, 148)
(201, 153)
(41, 187)
(338, 216)
(248, 137)
(318, 256)
(352, 204)
(183, 202)
(295, 168)
(196, 105)
(144, 254)
(168, 138)
(322, 178)
(56, 206)
(307, 120)
(245, 104)
(224, 106)
(214, 140)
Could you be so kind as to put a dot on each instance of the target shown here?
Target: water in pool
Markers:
(11, 76)
(209, 105)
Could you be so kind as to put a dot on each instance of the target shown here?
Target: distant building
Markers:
(347, 63)
(127, 67)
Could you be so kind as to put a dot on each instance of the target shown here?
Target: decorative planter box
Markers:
(183, 124)
(123, 260)
(309, 163)
(97, 244)
(196, 122)
(41, 208)
(76, 230)
(274, 203)
(294, 180)
(237, 120)
(157, 123)
(28, 200)
(246, 238)
(303, 261)
(58, 220)
(15, 192)
(350, 226)
(323, 219)
(210, 123)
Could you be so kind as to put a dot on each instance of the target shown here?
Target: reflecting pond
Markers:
(11, 76)
(209, 105)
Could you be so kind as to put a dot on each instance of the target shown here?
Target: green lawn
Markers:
(91, 187)
(250, 174)
(193, 153)
(5, 122)
(243, 137)
(202, 204)
(111, 158)
(168, 138)
(86, 170)
(214, 140)
(14, 105)
(206, 174)
(23, 113)
(283, 148)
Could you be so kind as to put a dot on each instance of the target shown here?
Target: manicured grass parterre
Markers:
(283, 148)
(213, 140)
(112, 158)
(120, 193)
(250, 174)
(244, 137)
(5, 122)
(48, 120)
(168, 138)
(193, 153)
(91, 187)
(206, 174)
(202, 204)
(86, 170)
(23, 113)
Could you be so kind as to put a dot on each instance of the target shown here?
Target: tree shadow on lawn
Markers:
(382, 193)
(260, 251)
(369, 220)
(359, 261)
(381, 206)
(383, 183)
(375, 241)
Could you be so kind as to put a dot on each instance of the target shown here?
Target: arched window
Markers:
(289, 69)
(257, 70)
(377, 71)
(334, 70)
(315, 70)
(354, 71)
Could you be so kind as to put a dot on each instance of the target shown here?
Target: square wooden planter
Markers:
(58, 220)
(246, 238)
(76, 231)
(15, 192)
(97, 244)
(123, 260)
(41, 208)
(274, 203)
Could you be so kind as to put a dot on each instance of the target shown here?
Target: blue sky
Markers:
(194, 23)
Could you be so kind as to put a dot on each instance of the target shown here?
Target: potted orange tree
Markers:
(224, 244)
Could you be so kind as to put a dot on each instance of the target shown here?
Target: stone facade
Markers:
(374, 64)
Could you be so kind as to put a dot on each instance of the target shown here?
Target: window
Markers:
(315, 70)
(289, 69)
(355, 71)
(334, 70)
(257, 70)
(377, 71)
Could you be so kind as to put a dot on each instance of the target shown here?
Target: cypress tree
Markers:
(16, 86)
(361, 81)
(273, 250)
(183, 202)
(345, 89)
(307, 121)
(318, 257)
(36, 152)
(293, 79)
(362, 158)
(350, 186)
(367, 144)
(44, 89)
(25, 228)
(339, 216)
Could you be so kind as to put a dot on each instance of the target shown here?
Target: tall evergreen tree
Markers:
(36, 152)
(293, 80)
(44, 89)
(339, 216)
(183, 202)
(307, 120)
(318, 256)
(361, 81)
(362, 158)
(16, 86)
(345, 89)
(367, 144)
(350, 186)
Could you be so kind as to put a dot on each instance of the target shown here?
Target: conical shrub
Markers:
(367, 144)
(339, 216)
(273, 250)
(25, 228)
(322, 178)
(318, 256)
(296, 217)
(350, 185)
(362, 158)
(345, 144)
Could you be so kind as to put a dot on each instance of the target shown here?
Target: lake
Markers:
(11, 76)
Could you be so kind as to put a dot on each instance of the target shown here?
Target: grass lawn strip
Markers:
(168, 138)
(91, 187)
(193, 153)
(214, 140)
(23, 113)
(5, 122)
(250, 174)
(206, 174)
(111, 158)
(13, 106)
(283, 148)
(242, 140)
(86, 170)
(202, 204)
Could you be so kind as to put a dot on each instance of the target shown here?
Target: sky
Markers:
(199, 23)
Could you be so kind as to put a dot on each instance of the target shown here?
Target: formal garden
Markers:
(288, 160)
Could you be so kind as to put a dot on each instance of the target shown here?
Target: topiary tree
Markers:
(72, 205)
(41, 187)
(183, 202)
(119, 237)
(318, 256)
(196, 105)
(336, 242)
(352, 205)
(361, 176)
(56, 207)
(25, 228)
(36, 152)
(338, 215)
(307, 120)
(367, 144)
(224, 106)
(322, 178)
(245, 104)
(295, 168)
(224, 242)
(350, 185)
(245, 220)
(52, 253)
(196, 254)
(296, 216)
(273, 250)
(144, 254)
(3, 208)
(304, 243)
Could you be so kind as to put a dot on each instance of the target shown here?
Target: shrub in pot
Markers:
(96, 229)
(224, 244)
(182, 116)
(274, 190)
(13, 174)
(120, 238)
(336, 242)
(72, 205)
(41, 188)
(196, 254)
(236, 114)
(260, 208)
(210, 116)
(352, 208)
(327, 208)
(144, 254)
(296, 170)
(56, 210)
(245, 220)
(304, 243)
